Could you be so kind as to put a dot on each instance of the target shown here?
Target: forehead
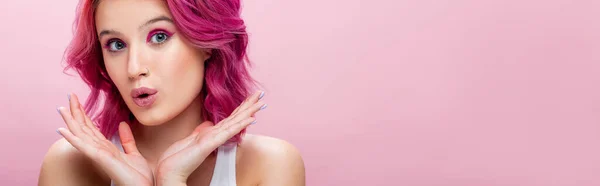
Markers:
(124, 14)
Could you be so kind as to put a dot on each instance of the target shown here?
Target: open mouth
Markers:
(143, 96)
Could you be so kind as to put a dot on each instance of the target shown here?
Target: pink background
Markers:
(382, 92)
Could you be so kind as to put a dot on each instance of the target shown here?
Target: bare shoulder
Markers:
(270, 147)
(65, 165)
(278, 161)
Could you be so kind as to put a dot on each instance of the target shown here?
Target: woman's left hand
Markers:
(183, 157)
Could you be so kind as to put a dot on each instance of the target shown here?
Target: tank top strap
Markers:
(224, 173)
(116, 140)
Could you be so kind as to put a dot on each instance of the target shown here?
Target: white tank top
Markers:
(224, 173)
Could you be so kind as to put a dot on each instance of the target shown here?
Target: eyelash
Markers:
(107, 46)
(159, 31)
(148, 39)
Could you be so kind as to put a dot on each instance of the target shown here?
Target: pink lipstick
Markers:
(143, 96)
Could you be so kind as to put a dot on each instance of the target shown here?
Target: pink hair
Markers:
(213, 24)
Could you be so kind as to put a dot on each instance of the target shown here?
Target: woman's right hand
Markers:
(124, 168)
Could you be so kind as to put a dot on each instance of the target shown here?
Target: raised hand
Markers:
(124, 168)
(183, 157)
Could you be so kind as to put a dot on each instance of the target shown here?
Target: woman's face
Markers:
(142, 48)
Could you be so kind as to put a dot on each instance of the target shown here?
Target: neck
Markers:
(152, 141)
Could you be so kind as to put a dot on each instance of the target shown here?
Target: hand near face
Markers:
(124, 168)
(183, 157)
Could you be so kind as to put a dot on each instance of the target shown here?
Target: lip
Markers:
(143, 96)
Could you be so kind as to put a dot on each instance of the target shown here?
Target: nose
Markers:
(136, 63)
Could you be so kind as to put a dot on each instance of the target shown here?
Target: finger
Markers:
(249, 101)
(243, 103)
(71, 123)
(238, 108)
(231, 130)
(79, 116)
(74, 107)
(104, 158)
(88, 134)
(127, 140)
(76, 142)
(250, 112)
(93, 126)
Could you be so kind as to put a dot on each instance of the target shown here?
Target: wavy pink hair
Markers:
(213, 24)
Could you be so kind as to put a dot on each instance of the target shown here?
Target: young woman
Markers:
(170, 99)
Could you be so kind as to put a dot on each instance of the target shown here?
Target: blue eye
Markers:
(115, 45)
(159, 38)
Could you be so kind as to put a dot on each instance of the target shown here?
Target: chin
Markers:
(148, 122)
(151, 117)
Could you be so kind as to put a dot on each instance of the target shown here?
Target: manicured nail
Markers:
(58, 110)
(253, 122)
(263, 107)
(262, 93)
(69, 96)
(58, 132)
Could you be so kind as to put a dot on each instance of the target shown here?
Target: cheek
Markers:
(113, 72)
(183, 65)
(116, 71)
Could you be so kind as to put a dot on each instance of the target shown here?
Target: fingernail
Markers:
(262, 93)
(58, 110)
(253, 122)
(69, 96)
(58, 132)
(263, 107)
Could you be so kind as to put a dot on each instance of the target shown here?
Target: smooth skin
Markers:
(173, 144)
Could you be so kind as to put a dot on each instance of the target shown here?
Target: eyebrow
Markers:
(153, 20)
